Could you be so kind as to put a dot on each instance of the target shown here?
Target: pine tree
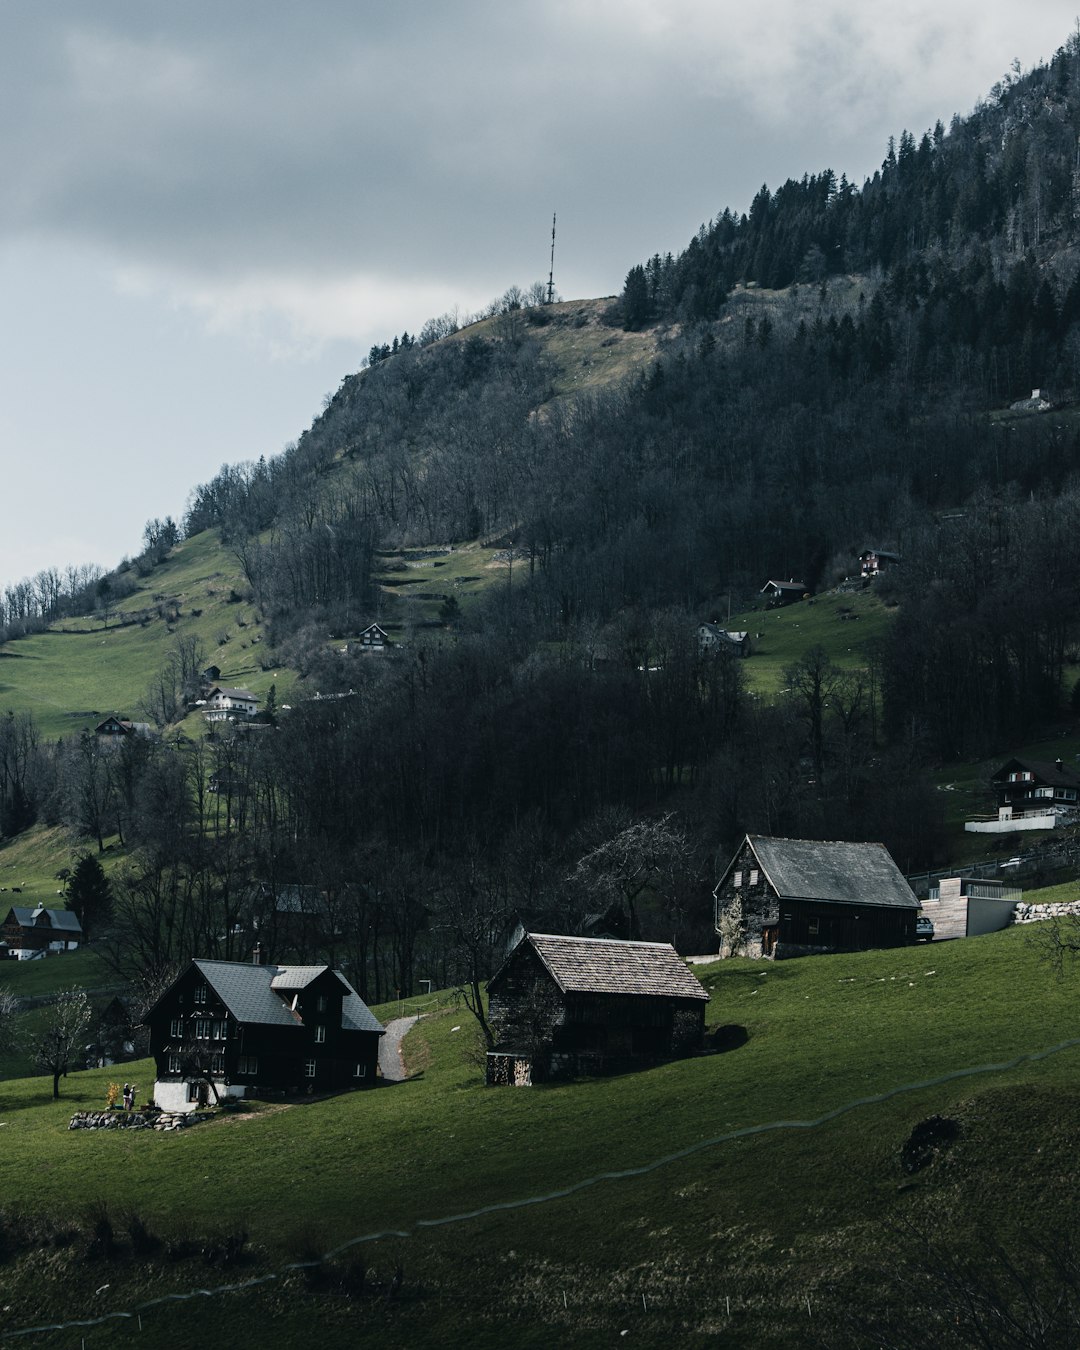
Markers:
(89, 893)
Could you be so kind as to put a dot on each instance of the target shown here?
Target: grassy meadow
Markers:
(80, 670)
(723, 1246)
(842, 625)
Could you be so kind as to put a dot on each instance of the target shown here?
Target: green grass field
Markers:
(787, 634)
(765, 1219)
(76, 673)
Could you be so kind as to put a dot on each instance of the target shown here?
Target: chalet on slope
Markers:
(780, 593)
(252, 1029)
(115, 729)
(798, 897)
(1034, 787)
(874, 561)
(564, 1006)
(28, 933)
(713, 638)
(373, 639)
(223, 704)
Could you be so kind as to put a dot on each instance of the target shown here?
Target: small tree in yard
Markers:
(9, 1006)
(732, 928)
(58, 1044)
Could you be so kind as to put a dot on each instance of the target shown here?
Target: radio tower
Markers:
(551, 274)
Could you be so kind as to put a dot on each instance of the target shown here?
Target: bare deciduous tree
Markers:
(58, 1044)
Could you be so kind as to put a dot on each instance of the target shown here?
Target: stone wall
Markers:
(134, 1120)
(1026, 913)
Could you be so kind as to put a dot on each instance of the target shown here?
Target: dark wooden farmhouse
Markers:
(115, 728)
(564, 1006)
(27, 933)
(874, 561)
(780, 593)
(373, 639)
(1033, 787)
(230, 1029)
(713, 638)
(797, 897)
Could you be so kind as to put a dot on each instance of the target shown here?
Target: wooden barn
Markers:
(564, 1006)
(229, 1029)
(780, 593)
(798, 897)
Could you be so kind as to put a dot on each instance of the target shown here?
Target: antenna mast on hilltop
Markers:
(551, 274)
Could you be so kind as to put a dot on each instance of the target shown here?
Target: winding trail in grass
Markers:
(501, 1207)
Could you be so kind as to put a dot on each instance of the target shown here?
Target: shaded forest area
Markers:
(505, 764)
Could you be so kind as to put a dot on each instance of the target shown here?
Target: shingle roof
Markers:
(63, 920)
(825, 869)
(355, 1013)
(604, 966)
(254, 993)
(295, 977)
(245, 991)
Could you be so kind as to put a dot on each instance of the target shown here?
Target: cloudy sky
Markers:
(210, 211)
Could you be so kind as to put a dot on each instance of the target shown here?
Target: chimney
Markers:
(256, 954)
(1058, 765)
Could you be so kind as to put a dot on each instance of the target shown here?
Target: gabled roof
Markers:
(602, 966)
(253, 993)
(799, 586)
(231, 693)
(61, 920)
(828, 869)
(1045, 771)
(879, 553)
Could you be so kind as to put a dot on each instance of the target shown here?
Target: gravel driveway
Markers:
(391, 1064)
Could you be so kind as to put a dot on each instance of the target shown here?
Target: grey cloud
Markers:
(430, 138)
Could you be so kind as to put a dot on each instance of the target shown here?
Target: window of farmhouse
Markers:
(309, 1068)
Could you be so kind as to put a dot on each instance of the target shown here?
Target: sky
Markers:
(210, 212)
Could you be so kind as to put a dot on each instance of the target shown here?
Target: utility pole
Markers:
(551, 274)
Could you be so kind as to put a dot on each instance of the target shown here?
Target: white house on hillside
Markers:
(223, 704)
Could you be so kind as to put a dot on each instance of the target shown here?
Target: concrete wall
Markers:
(173, 1096)
(1012, 826)
(988, 916)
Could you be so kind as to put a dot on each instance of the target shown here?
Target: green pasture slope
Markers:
(82, 669)
(749, 1239)
(842, 625)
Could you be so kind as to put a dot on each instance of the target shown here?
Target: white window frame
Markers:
(320, 1033)
(176, 1027)
(174, 1064)
(309, 1068)
(360, 1071)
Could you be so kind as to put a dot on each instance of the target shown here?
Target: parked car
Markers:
(924, 929)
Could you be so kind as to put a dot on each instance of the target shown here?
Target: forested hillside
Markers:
(831, 370)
